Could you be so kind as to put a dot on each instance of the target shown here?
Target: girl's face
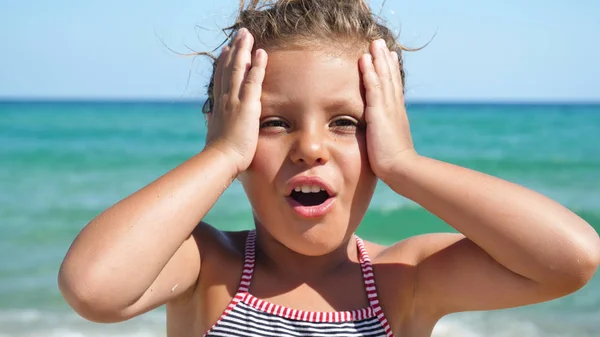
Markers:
(310, 182)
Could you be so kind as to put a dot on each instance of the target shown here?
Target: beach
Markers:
(62, 163)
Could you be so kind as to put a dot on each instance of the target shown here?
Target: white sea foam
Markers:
(38, 323)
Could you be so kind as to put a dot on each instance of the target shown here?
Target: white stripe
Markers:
(244, 309)
(264, 326)
(247, 331)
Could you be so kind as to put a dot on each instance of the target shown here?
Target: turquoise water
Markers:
(63, 163)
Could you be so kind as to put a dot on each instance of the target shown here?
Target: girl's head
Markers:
(335, 26)
(312, 128)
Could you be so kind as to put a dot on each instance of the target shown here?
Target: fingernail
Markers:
(381, 44)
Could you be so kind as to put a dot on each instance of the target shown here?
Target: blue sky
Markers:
(482, 50)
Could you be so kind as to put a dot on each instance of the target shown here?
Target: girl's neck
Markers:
(290, 264)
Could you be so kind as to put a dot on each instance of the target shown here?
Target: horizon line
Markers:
(172, 100)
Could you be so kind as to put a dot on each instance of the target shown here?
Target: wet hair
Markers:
(331, 25)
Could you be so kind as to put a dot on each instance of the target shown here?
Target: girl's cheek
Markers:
(268, 158)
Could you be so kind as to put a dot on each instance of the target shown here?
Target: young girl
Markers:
(306, 109)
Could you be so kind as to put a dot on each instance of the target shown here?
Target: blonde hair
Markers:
(345, 24)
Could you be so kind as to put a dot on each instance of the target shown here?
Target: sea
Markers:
(62, 163)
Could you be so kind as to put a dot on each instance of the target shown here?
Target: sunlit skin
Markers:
(287, 114)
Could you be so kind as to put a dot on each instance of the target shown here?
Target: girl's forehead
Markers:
(297, 73)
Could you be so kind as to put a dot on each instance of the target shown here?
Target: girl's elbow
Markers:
(583, 266)
(590, 259)
(88, 300)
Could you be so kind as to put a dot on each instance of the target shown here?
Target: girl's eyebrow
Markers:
(347, 104)
(271, 100)
(328, 103)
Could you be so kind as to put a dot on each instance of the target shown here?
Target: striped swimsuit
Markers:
(249, 316)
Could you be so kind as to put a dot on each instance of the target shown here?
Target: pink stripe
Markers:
(279, 310)
(234, 301)
(370, 287)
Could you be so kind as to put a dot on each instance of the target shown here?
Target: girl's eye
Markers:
(273, 123)
(345, 123)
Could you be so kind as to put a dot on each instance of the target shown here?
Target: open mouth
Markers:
(309, 198)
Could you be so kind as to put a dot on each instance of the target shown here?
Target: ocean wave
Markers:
(38, 323)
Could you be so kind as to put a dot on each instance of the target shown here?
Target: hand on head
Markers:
(388, 131)
(233, 124)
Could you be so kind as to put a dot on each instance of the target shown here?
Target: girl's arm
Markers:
(520, 246)
(140, 252)
(144, 250)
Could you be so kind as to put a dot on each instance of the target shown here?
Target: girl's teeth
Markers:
(309, 189)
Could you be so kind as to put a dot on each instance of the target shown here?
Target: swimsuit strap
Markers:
(365, 263)
(370, 288)
(249, 261)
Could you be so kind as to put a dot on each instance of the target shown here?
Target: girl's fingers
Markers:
(397, 77)
(226, 79)
(217, 91)
(379, 51)
(241, 63)
(252, 87)
(372, 82)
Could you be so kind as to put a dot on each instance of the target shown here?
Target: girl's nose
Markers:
(309, 148)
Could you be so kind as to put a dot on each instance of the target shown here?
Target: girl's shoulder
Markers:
(396, 265)
(412, 250)
(395, 270)
(216, 245)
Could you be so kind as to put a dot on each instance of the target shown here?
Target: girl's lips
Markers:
(316, 211)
